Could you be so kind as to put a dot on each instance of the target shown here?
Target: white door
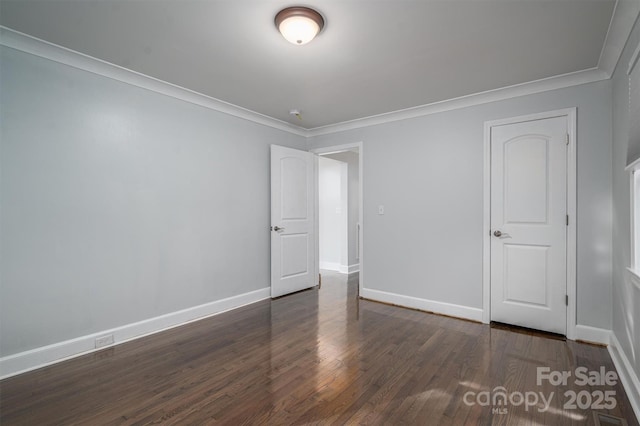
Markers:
(293, 240)
(529, 224)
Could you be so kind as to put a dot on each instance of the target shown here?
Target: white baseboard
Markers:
(40, 357)
(474, 314)
(627, 374)
(338, 267)
(344, 269)
(330, 266)
(593, 334)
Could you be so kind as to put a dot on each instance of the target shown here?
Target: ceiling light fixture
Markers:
(299, 25)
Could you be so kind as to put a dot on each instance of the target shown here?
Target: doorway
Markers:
(530, 204)
(339, 209)
(333, 214)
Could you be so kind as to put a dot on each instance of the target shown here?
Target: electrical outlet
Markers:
(104, 341)
(381, 209)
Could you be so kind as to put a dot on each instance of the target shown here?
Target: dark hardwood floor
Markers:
(317, 357)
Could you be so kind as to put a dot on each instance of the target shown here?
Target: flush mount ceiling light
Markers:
(299, 25)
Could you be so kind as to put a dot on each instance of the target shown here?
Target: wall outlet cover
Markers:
(103, 341)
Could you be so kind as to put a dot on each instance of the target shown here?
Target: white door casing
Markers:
(528, 260)
(293, 238)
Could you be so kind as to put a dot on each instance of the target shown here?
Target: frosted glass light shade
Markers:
(299, 25)
(298, 29)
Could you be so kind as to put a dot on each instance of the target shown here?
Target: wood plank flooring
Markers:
(315, 357)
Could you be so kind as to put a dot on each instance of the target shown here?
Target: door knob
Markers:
(497, 233)
(277, 228)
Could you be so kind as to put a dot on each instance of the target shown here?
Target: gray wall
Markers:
(428, 173)
(353, 171)
(120, 204)
(626, 297)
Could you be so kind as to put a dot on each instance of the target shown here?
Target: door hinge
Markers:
(566, 299)
(567, 139)
(567, 220)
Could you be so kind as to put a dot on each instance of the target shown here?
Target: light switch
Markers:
(380, 209)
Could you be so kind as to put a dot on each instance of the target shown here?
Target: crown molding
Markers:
(634, 60)
(35, 46)
(623, 19)
(538, 86)
(625, 14)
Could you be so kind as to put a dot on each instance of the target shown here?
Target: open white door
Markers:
(529, 224)
(293, 239)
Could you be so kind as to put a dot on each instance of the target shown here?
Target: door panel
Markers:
(526, 179)
(293, 247)
(528, 211)
(294, 194)
(525, 277)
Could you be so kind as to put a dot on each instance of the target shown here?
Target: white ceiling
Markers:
(374, 56)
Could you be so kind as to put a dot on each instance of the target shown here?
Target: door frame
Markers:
(341, 148)
(570, 114)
